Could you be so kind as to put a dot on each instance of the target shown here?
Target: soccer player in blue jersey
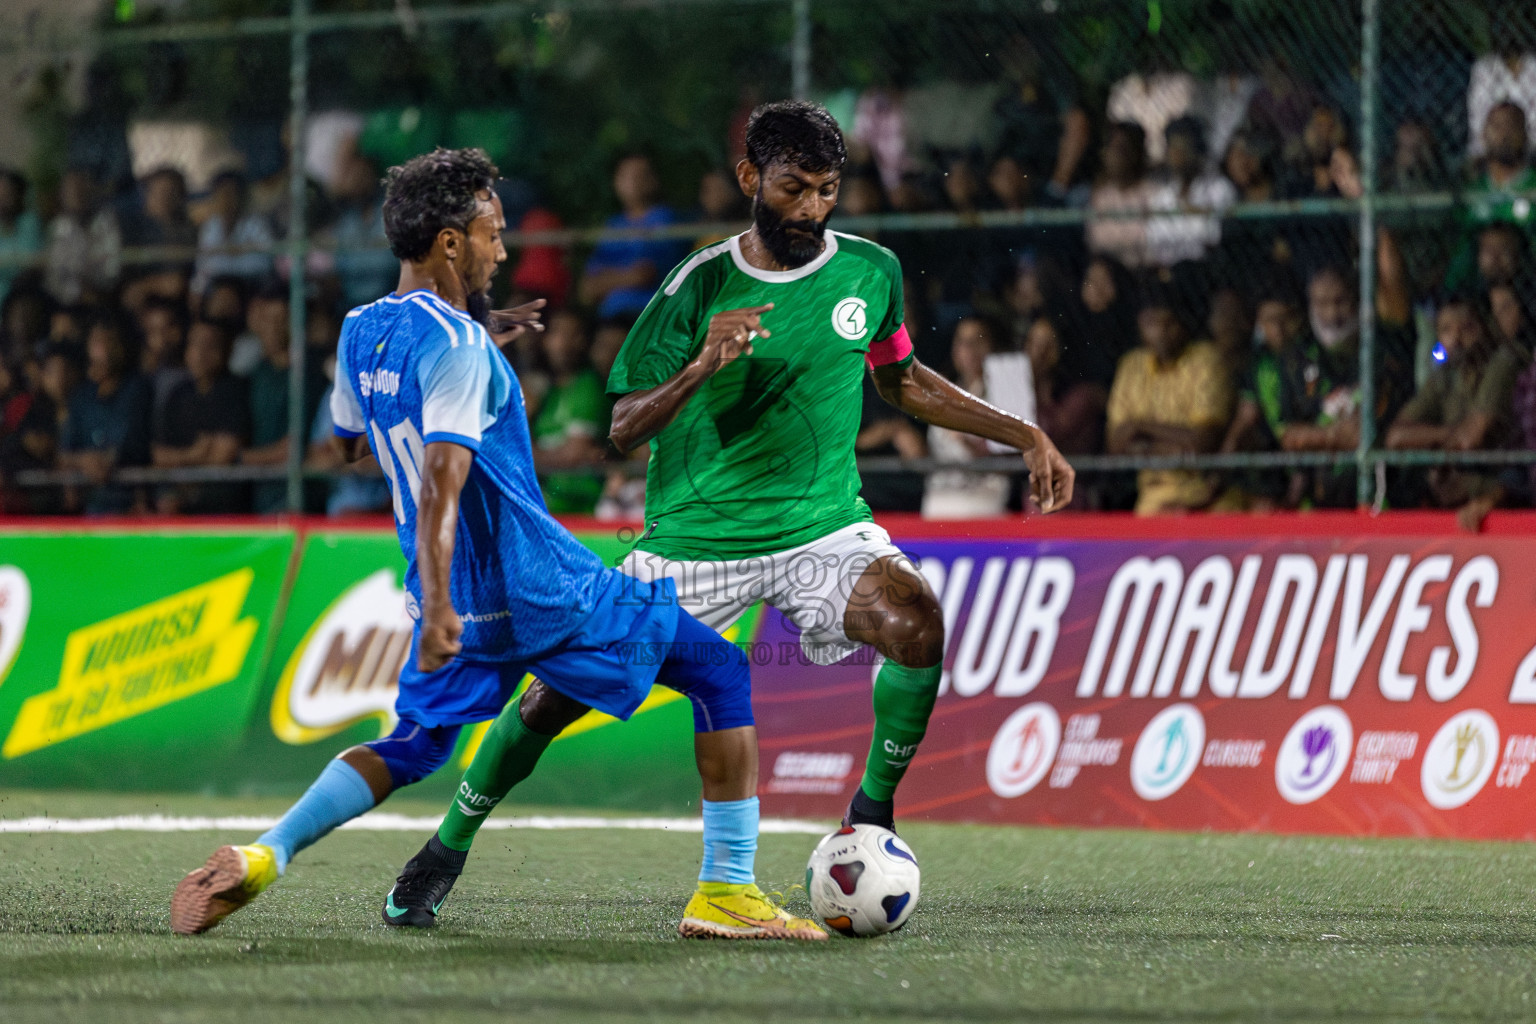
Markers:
(496, 586)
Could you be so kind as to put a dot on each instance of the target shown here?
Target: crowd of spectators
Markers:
(151, 327)
(1165, 326)
(177, 360)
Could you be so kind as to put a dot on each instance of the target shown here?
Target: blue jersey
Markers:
(411, 370)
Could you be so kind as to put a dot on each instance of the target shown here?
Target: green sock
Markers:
(903, 701)
(505, 758)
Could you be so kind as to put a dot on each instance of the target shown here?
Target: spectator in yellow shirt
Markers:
(1170, 397)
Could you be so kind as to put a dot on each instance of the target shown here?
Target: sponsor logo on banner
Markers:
(1519, 755)
(1168, 752)
(1313, 755)
(1233, 754)
(1023, 750)
(1459, 760)
(347, 668)
(1379, 753)
(15, 608)
(796, 771)
(140, 660)
(1082, 747)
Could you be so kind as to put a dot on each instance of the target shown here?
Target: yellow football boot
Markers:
(230, 879)
(721, 911)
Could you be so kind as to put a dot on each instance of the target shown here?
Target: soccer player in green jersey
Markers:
(745, 374)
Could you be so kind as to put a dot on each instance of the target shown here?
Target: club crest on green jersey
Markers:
(849, 319)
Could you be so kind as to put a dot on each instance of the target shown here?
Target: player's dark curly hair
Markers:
(795, 132)
(430, 192)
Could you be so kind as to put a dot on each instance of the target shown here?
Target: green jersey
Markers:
(761, 458)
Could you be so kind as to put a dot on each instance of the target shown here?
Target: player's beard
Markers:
(478, 305)
(788, 250)
(477, 300)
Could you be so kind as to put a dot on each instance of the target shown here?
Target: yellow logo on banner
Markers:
(139, 661)
(347, 666)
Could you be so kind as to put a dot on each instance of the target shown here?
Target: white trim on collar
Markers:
(441, 303)
(783, 276)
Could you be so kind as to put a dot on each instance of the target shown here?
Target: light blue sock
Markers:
(730, 841)
(338, 795)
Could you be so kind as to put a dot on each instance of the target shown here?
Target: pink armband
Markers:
(894, 349)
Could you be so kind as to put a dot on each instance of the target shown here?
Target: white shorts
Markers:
(811, 584)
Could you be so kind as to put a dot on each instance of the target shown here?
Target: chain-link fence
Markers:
(1230, 253)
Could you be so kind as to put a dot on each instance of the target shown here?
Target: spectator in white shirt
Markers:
(1153, 101)
(85, 243)
(1156, 100)
(880, 123)
(961, 493)
(1122, 188)
(227, 234)
(1225, 106)
(1189, 187)
(1506, 76)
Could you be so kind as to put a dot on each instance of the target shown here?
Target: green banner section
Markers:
(243, 661)
(136, 658)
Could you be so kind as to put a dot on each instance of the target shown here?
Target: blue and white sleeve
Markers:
(346, 412)
(457, 403)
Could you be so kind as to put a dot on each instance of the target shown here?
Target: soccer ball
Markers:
(862, 880)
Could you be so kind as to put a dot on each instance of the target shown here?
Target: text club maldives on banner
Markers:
(1345, 683)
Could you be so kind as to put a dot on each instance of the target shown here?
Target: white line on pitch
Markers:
(380, 822)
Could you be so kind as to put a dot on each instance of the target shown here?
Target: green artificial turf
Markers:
(1014, 925)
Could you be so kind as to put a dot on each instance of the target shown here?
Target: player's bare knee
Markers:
(547, 711)
(372, 767)
(727, 762)
(714, 767)
(914, 636)
(890, 582)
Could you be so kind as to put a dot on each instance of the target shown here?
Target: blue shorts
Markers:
(711, 672)
(609, 663)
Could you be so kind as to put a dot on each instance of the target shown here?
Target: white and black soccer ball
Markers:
(862, 880)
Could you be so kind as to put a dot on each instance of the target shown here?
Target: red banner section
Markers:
(1330, 674)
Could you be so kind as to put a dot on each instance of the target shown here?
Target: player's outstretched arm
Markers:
(353, 449)
(918, 391)
(507, 325)
(443, 473)
(641, 415)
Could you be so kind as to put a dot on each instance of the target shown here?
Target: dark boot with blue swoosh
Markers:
(423, 884)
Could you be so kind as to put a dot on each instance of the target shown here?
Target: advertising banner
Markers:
(132, 659)
(1371, 685)
(1246, 676)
